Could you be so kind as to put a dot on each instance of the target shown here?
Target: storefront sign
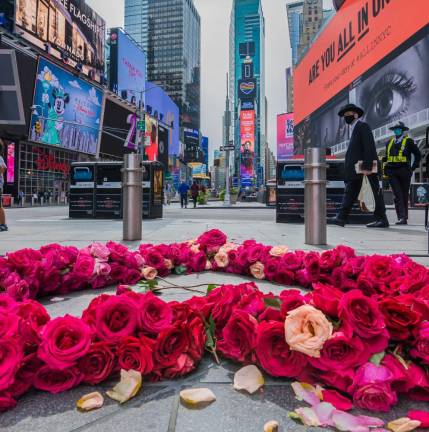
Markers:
(359, 36)
(48, 162)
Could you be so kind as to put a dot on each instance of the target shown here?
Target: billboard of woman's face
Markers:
(398, 89)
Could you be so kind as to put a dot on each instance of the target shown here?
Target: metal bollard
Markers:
(315, 196)
(132, 177)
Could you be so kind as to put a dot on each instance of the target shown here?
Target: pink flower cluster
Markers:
(363, 329)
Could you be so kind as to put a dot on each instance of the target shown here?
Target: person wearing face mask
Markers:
(361, 150)
(399, 169)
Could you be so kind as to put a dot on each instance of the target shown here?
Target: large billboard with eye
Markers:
(372, 53)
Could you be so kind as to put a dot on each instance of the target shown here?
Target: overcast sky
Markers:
(215, 16)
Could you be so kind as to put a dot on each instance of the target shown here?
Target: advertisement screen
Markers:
(10, 163)
(284, 136)
(358, 37)
(128, 67)
(247, 89)
(163, 135)
(205, 149)
(69, 27)
(160, 106)
(67, 110)
(151, 139)
(247, 147)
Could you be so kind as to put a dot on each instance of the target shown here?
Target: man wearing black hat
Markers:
(399, 170)
(361, 152)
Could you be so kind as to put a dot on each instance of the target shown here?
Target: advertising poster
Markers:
(151, 139)
(285, 141)
(10, 162)
(163, 138)
(358, 37)
(127, 67)
(247, 147)
(67, 110)
(69, 27)
(205, 149)
(247, 89)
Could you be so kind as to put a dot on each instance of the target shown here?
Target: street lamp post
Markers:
(228, 144)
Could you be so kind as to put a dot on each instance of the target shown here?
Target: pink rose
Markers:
(57, 381)
(11, 356)
(420, 349)
(274, 354)
(154, 314)
(102, 268)
(64, 341)
(149, 273)
(99, 251)
(221, 259)
(257, 270)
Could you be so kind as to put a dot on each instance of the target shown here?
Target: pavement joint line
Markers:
(173, 414)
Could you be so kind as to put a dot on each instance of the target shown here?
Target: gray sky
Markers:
(215, 16)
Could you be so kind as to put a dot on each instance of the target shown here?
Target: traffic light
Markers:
(38, 128)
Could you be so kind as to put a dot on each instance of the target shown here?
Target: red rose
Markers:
(183, 366)
(11, 355)
(97, 364)
(399, 381)
(84, 266)
(154, 259)
(118, 252)
(8, 323)
(64, 341)
(239, 337)
(180, 311)
(380, 271)
(24, 259)
(271, 268)
(88, 315)
(211, 241)
(292, 261)
(198, 262)
(375, 397)
(341, 379)
(154, 314)
(274, 354)
(341, 352)
(222, 308)
(170, 344)
(326, 298)
(284, 276)
(7, 402)
(361, 315)
(57, 381)
(329, 260)
(312, 265)
(118, 272)
(418, 381)
(291, 299)
(18, 288)
(272, 314)
(115, 318)
(252, 303)
(197, 339)
(135, 353)
(420, 348)
(25, 376)
(400, 319)
(254, 253)
(132, 276)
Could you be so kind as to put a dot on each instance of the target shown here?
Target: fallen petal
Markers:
(271, 426)
(248, 378)
(349, 423)
(339, 401)
(421, 416)
(90, 401)
(403, 424)
(127, 387)
(324, 411)
(308, 417)
(306, 392)
(198, 396)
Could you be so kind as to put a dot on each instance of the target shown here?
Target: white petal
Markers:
(248, 378)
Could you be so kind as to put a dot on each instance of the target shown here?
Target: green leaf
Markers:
(210, 327)
(273, 302)
(180, 270)
(211, 287)
(146, 286)
(377, 358)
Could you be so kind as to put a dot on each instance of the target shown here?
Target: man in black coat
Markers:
(361, 150)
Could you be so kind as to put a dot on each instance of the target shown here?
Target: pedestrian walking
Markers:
(183, 191)
(399, 168)
(21, 196)
(169, 193)
(195, 190)
(3, 226)
(361, 152)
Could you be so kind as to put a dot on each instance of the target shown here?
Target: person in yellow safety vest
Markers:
(399, 168)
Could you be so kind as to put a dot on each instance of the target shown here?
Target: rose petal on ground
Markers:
(248, 378)
(339, 401)
(346, 422)
(271, 426)
(127, 387)
(197, 396)
(421, 416)
(324, 411)
(90, 401)
(307, 393)
(307, 416)
(403, 424)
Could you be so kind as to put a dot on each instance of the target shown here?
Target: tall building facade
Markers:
(295, 15)
(312, 21)
(170, 33)
(247, 89)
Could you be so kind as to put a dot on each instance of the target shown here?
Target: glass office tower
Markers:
(170, 33)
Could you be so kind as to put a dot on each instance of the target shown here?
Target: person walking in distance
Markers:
(399, 170)
(362, 152)
(195, 190)
(183, 191)
(3, 226)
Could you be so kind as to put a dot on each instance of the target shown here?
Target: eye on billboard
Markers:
(358, 37)
(247, 147)
(127, 67)
(64, 27)
(67, 110)
(285, 132)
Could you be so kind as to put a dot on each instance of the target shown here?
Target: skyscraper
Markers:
(247, 89)
(294, 15)
(170, 33)
(312, 20)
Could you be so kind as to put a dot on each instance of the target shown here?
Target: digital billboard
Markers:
(247, 147)
(64, 28)
(163, 134)
(205, 149)
(160, 106)
(10, 163)
(127, 67)
(247, 89)
(284, 136)
(192, 145)
(151, 139)
(358, 37)
(66, 110)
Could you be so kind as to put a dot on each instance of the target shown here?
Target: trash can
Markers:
(82, 190)
(153, 187)
(108, 190)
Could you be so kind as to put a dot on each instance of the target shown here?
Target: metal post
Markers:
(132, 177)
(227, 199)
(315, 196)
